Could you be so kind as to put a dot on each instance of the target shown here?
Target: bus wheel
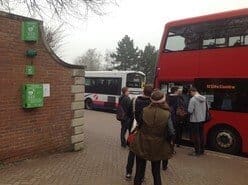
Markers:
(226, 140)
(88, 104)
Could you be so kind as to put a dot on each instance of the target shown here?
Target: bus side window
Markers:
(87, 81)
(246, 40)
(111, 86)
(234, 41)
(191, 43)
(90, 85)
(211, 45)
(226, 99)
(208, 43)
(238, 41)
(214, 43)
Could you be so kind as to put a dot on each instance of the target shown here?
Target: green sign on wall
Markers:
(29, 70)
(30, 30)
(32, 95)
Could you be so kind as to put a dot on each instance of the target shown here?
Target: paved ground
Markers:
(103, 163)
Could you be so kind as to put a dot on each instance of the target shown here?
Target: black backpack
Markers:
(120, 113)
(181, 112)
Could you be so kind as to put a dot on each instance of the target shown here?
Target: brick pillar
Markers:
(77, 107)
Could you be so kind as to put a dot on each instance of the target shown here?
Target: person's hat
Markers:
(158, 97)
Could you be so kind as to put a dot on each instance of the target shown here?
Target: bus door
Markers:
(183, 87)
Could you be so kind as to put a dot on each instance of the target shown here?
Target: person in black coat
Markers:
(174, 99)
(126, 123)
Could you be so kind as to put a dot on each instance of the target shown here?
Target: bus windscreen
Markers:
(135, 80)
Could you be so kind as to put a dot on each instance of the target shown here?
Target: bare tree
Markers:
(92, 59)
(54, 37)
(60, 9)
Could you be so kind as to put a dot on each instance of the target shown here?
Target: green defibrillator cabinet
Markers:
(30, 30)
(32, 95)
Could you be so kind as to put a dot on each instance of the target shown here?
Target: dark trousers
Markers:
(165, 163)
(197, 135)
(140, 171)
(130, 162)
(125, 126)
(179, 133)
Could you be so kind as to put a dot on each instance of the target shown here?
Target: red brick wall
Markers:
(25, 133)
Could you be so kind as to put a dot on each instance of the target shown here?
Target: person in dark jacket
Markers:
(170, 139)
(186, 96)
(175, 100)
(140, 103)
(150, 141)
(126, 124)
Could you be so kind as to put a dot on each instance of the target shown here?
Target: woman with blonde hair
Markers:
(150, 141)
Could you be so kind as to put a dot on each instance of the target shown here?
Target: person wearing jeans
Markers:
(197, 110)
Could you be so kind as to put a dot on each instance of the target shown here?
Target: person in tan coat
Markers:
(150, 141)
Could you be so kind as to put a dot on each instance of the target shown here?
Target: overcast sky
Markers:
(142, 20)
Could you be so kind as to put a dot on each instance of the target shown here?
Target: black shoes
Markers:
(164, 168)
(123, 145)
(128, 176)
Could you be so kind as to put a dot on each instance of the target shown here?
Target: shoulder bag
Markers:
(133, 132)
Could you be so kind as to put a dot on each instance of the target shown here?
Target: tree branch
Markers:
(60, 9)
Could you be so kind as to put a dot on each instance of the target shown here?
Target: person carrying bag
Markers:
(150, 140)
(138, 105)
(131, 136)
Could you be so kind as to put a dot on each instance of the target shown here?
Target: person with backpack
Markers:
(178, 112)
(124, 115)
(138, 105)
(198, 109)
(177, 118)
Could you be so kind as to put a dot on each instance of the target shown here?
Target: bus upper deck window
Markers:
(237, 43)
(246, 40)
(211, 45)
(183, 38)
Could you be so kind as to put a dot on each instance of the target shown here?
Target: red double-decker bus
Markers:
(211, 53)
